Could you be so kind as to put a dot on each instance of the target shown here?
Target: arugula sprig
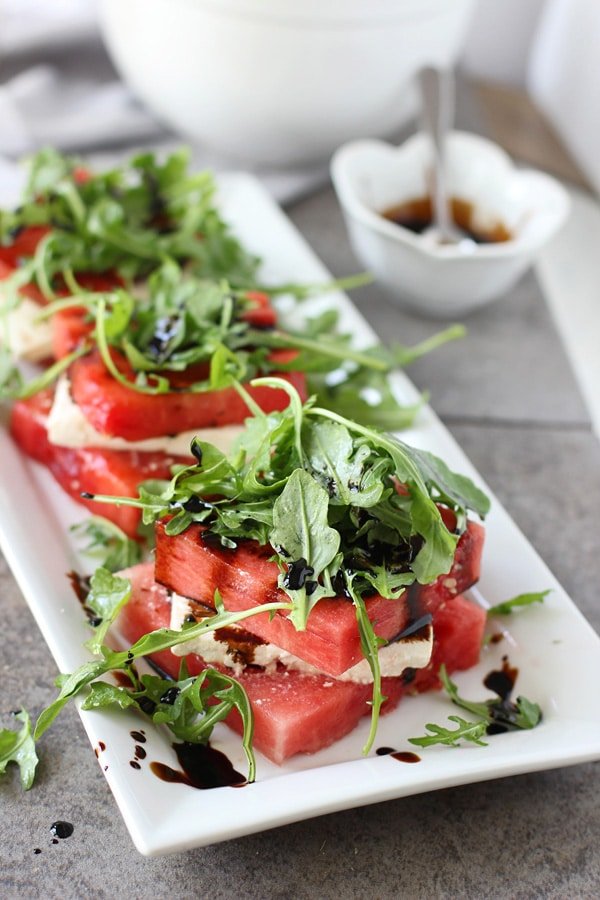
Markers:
(19, 747)
(107, 543)
(493, 716)
(521, 600)
(465, 731)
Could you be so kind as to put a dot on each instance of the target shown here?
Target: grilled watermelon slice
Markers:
(113, 409)
(195, 567)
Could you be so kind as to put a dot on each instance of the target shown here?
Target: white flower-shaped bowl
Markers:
(445, 280)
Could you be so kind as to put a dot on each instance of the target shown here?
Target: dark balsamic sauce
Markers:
(417, 630)
(417, 216)
(170, 696)
(147, 705)
(80, 585)
(503, 711)
(405, 756)
(195, 504)
(166, 329)
(409, 675)
(139, 752)
(134, 764)
(297, 574)
(502, 681)
(37, 850)
(62, 829)
(122, 679)
(241, 643)
(202, 767)
(496, 637)
(139, 736)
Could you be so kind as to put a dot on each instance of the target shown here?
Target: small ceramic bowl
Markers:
(445, 280)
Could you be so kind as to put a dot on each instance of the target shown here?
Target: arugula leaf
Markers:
(506, 608)
(302, 534)
(338, 465)
(19, 747)
(452, 488)
(465, 731)
(108, 595)
(11, 380)
(108, 543)
(366, 397)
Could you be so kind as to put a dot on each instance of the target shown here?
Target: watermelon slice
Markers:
(113, 409)
(297, 713)
(246, 577)
(24, 245)
(194, 567)
(116, 472)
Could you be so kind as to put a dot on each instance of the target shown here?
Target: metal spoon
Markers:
(437, 94)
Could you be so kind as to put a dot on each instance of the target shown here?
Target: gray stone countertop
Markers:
(508, 395)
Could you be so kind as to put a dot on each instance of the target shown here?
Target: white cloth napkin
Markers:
(63, 106)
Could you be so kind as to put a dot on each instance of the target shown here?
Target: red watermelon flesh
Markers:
(297, 713)
(458, 626)
(116, 410)
(245, 577)
(115, 472)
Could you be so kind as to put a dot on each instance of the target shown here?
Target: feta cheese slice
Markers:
(413, 652)
(68, 427)
(28, 338)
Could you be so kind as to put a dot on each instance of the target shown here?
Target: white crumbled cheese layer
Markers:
(409, 653)
(28, 338)
(68, 427)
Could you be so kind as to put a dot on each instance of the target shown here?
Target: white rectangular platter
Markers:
(557, 652)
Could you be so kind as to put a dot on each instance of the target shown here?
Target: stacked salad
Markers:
(309, 567)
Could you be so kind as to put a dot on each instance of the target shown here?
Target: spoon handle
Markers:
(437, 93)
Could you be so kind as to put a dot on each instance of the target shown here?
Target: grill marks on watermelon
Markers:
(245, 578)
(296, 713)
(116, 472)
(116, 410)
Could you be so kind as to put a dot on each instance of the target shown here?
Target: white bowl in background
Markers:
(435, 279)
(281, 81)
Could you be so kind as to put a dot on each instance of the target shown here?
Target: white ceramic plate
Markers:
(555, 649)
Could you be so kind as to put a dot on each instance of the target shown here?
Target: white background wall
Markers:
(552, 48)
(500, 39)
